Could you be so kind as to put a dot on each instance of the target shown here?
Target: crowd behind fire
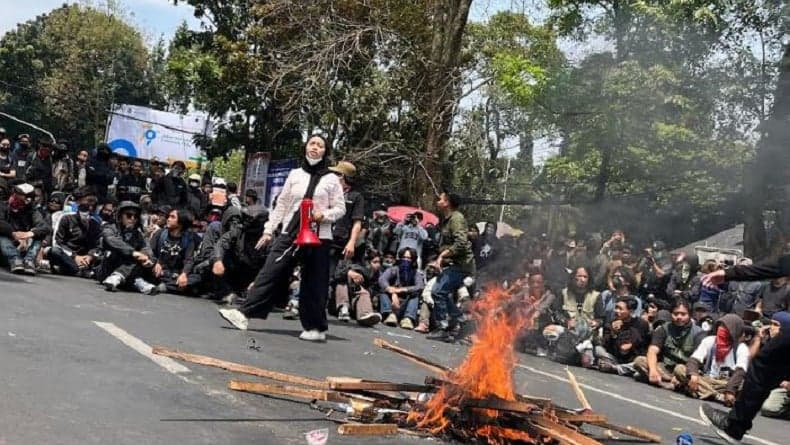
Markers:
(601, 302)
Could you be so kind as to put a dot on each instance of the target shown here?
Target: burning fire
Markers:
(486, 371)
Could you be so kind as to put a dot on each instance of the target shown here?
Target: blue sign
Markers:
(275, 179)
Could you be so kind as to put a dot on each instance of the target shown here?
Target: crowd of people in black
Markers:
(602, 302)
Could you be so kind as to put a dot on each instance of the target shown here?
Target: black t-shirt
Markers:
(355, 211)
(5, 164)
(175, 254)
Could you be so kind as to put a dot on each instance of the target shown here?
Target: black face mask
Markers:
(106, 217)
(24, 146)
(83, 208)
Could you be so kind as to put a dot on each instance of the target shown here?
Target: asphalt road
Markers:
(66, 379)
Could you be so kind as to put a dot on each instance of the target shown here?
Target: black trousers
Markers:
(766, 371)
(270, 287)
(67, 265)
(314, 287)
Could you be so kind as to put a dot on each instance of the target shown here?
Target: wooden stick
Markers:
(345, 384)
(578, 391)
(498, 404)
(284, 390)
(571, 417)
(630, 431)
(559, 432)
(433, 366)
(238, 367)
(368, 429)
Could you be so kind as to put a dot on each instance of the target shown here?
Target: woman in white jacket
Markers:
(271, 283)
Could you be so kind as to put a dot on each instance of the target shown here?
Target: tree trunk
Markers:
(768, 181)
(449, 18)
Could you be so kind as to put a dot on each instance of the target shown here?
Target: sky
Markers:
(153, 17)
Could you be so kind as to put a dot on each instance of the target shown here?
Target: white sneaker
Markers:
(112, 282)
(369, 319)
(313, 335)
(292, 310)
(144, 287)
(235, 317)
(342, 314)
(392, 320)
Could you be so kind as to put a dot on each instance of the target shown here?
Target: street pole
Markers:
(504, 194)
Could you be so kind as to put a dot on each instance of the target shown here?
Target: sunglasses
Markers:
(131, 215)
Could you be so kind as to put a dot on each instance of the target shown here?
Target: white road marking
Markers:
(637, 402)
(138, 345)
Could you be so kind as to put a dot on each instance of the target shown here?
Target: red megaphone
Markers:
(307, 236)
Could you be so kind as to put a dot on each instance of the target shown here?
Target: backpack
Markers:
(564, 349)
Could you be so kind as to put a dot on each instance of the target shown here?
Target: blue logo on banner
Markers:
(123, 147)
(149, 136)
(684, 439)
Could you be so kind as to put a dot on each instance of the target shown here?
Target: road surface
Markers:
(74, 370)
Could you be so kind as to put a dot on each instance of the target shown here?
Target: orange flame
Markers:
(487, 369)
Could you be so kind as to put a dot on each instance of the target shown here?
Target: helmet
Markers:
(125, 206)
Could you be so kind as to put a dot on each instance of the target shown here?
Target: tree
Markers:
(63, 69)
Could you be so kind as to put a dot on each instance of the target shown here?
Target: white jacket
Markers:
(328, 199)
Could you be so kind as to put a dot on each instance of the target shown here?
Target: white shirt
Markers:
(738, 360)
(328, 199)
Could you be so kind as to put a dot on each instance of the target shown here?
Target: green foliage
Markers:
(231, 167)
(63, 69)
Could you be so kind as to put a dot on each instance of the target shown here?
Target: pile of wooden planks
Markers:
(372, 407)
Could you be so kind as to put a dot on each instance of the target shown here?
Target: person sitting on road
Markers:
(623, 284)
(671, 345)
(623, 340)
(411, 234)
(685, 280)
(22, 229)
(401, 286)
(235, 255)
(541, 297)
(76, 241)
(173, 248)
(353, 291)
(777, 404)
(577, 308)
(716, 369)
(126, 253)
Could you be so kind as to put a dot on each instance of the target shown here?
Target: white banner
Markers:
(145, 133)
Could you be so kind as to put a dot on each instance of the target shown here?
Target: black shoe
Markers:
(29, 268)
(439, 334)
(720, 422)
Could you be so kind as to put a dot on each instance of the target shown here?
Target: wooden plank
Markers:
(238, 367)
(433, 366)
(560, 432)
(578, 391)
(587, 417)
(346, 384)
(368, 429)
(285, 390)
(630, 431)
(498, 404)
